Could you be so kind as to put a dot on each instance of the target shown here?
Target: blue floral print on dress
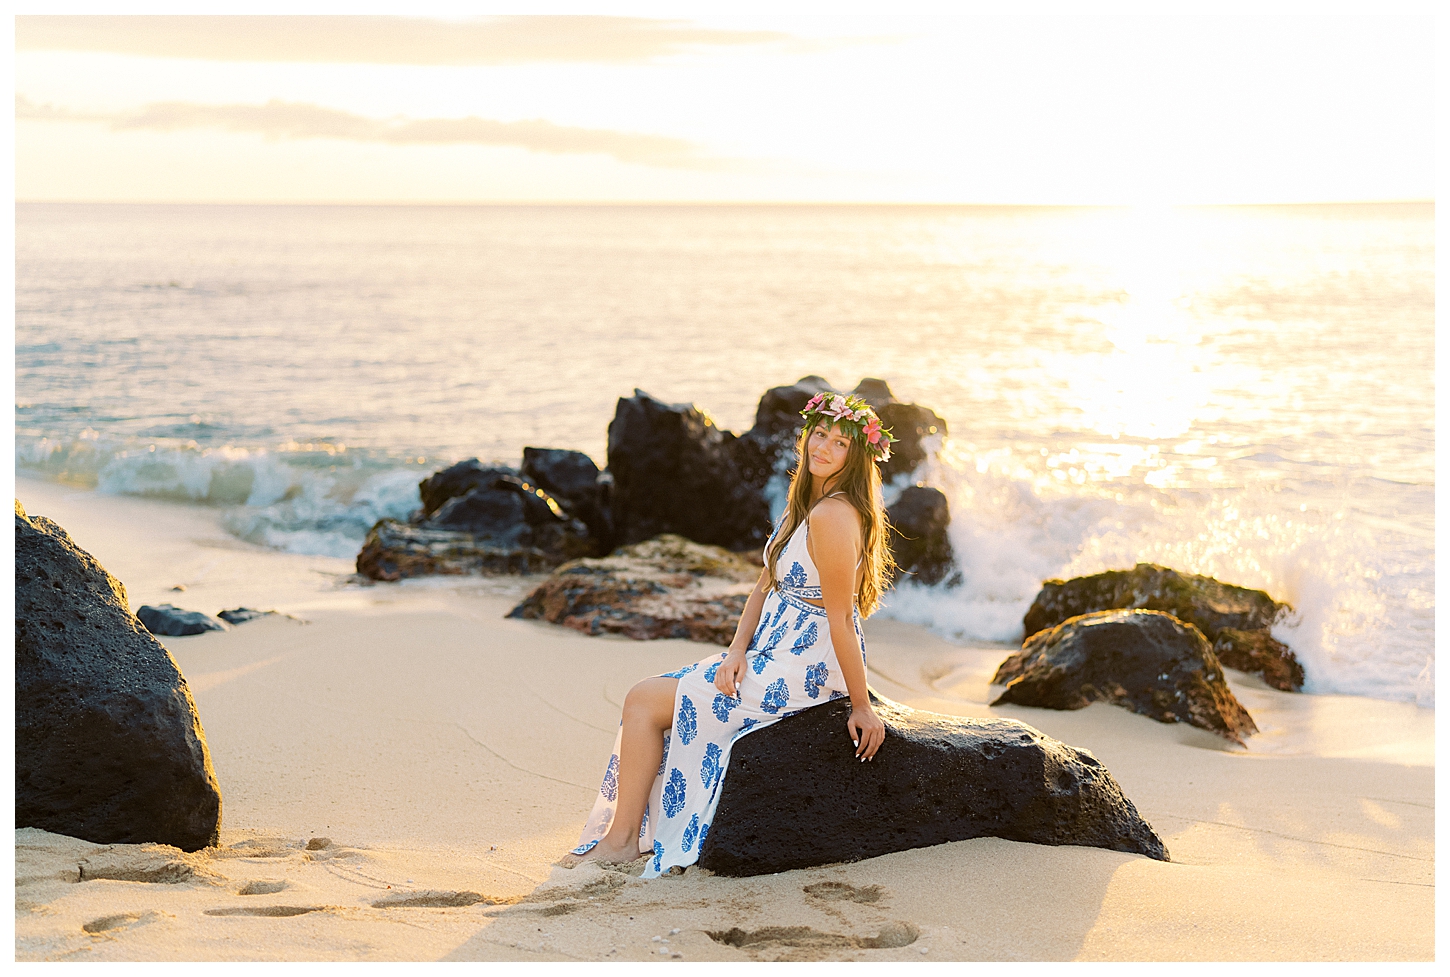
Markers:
(800, 619)
(663, 757)
(797, 575)
(805, 639)
(659, 853)
(644, 821)
(685, 725)
(691, 831)
(747, 724)
(816, 677)
(836, 694)
(760, 661)
(779, 613)
(710, 672)
(610, 789)
(674, 795)
(710, 771)
(775, 637)
(681, 673)
(722, 706)
(776, 696)
(704, 830)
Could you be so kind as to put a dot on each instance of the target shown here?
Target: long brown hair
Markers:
(860, 482)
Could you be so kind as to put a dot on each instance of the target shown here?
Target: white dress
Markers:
(791, 666)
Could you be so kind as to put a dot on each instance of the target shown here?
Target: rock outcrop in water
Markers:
(671, 470)
(1235, 619)
(919, 541)
(675, 472)
(795, 795)
(1146, 661)
(108, 743)
(667, 587)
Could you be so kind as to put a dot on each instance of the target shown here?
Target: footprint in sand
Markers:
(262, 887)
(892, 935)
(121, 921)
(841, 892)
(265, 910)
(438, 900)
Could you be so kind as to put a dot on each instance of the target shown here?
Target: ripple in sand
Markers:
(264, 910)
(262, 887)
(841, 892)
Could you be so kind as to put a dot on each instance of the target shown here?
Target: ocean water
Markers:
(1244, 392)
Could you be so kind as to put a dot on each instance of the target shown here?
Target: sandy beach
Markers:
(400, 766)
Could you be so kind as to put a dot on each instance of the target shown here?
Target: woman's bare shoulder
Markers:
(835, 515)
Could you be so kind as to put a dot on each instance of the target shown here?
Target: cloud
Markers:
(385, 40)
(299, 120)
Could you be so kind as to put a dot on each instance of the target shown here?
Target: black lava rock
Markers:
(511, 514)
(1235, 619)
(674, 471)
(1146, 661)
(796, 796)
(108, 744)
(173, 622)
(241, 615)
(458, 480)
(918, 538)
(572, 478)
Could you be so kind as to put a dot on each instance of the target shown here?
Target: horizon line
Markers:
(720, 203)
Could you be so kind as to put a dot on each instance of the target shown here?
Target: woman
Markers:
(798, 644)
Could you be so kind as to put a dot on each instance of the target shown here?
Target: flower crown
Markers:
(855, 417)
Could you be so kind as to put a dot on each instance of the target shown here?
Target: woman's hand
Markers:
(730, 672)
(867, 730)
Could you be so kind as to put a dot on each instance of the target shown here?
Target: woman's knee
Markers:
(652, 699)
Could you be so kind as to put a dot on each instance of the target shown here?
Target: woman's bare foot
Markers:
(605, 854)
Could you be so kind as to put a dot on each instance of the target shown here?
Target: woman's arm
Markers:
(727, 676)
(835, 539)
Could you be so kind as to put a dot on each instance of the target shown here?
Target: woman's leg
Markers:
(649, 710)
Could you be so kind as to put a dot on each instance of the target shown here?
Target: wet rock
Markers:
(918, 537)
(1206, 603)
(394, 550)
(458, 480)
(172, 622)
(572, 478)
(241, 615)
(674, 471)
(1146, 661)
(795, 795)
(1260, 652)
(667, 587)
(108, 744)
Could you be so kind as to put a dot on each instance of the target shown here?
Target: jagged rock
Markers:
(108, 744)
(572, 478)
(667, 587)
(674, 472)
(394, 550)
(173, 622)
(1259, 651)
(795, 795)
(1146, 661)
(241, 615)
(1208, 604)
(918, 538)
(457, 480)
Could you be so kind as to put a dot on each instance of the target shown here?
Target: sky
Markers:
(987, 109)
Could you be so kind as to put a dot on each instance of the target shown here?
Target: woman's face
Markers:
(826, 450)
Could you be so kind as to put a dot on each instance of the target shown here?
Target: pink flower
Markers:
(813, 403)
(873, 431)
